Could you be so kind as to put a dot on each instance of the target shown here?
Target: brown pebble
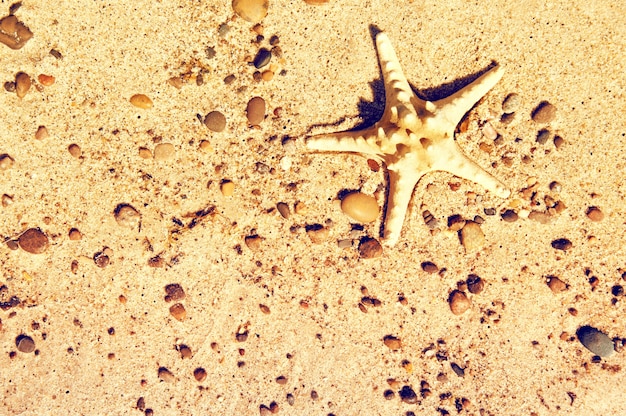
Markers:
(255, 110)
(459, 302)
(430, 267)
(253, 242)
(595, 214)
(185, 351)
(317, 233)
(472, 236)
(475, 284)
(25, 344)
(42, 133)
(509, 215)
(283, 209)
(555, 284)
(75, 234)
(178, 311)
(174, 292)
(141, 101)
(215, 121)
(540, 217)
(14, 33)
(562, 244)
(264, 308)
(199, 374)
(558, 141)
(370, 248)
(166, 375)
(251, 10)
(164, 151)
(127, 216)
(101, 259)
(22, 84)
(393, 343)
(74, 150)
(33, 241)
(544, 113)
(6, 162)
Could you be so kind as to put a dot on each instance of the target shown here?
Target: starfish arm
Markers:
(398, 93)
(451, 159)
(401, 185)
(454, 107)
(362, 141)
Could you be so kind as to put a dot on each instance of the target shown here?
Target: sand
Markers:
(285, 306)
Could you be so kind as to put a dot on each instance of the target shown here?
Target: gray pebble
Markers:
(262, 58)
(595, 341)
(511, 103)
(543, 136)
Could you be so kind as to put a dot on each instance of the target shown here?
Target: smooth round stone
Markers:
(33, 241)
(215, 121)
(595, 341)
(255, 110)
(360, 207)
(251, 10)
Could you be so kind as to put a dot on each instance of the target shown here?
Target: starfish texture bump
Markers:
(413, 137)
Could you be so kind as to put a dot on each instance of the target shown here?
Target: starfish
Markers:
(414, 137)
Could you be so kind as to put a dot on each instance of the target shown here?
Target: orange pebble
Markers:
(46, 80)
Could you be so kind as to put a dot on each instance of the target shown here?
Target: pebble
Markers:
(174, 292)
(595, 341)
(253, 242)
(141, 101)
(472, 236)
(251, 10)
(178, 311)
(227, 187)
(595, 214)
(539, 216)
(360, 207)
(145, 153)
(511, 103)
(556, 285)
(127, 216)
(407, 394)
(543, 136)
(75, 150)
(42, 133)
(317, 233)
(7, 200)
(199, 374)
(25, 344)
(430, 267)
(393, 343)
(75, 234)
(6, 162)
(33, 241)
(558, 142)
(46, 80)
(544, 113)
(509, 215)
(475, 284)
(166, 375)
(262, 58)
(164, 151)
(283, 209)
(370, 248)
(562, 244)
(22, 84)
(489, 132)
(215, 121)
(300, 208)
(289, 145)
(255, 111)
(459, 302)
(14, 33)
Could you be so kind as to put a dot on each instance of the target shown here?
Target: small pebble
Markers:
(555, 186)
(199, 374)
(251, 10)
(7, 200)
(46, 80)
(262, 58)
(141, 101)
(14, 33)
(227, 187)
(430, 267)
(511, 103)
(543, 136)
(556, 285)
(407, 394)
(489, 132)
(595, 341)
(509, 215)
(166, 375)
(75, 150)
(283, 209)
(253, 242)
(595, 214)
(472, 236)
(75, 235)
(33, 241)
(539, 216)
(25, 344)
(389, 394)
(617, 290)
(459, 303)
(41, 133)
(393, 343)
(215, 121)
(544, 113)
(174, 292)
(178, 311)
(164, 151)
(558, 141)
(255, 111)
(562, 244)
(145, 153)
(6, 162)
(127, 216)
(317, 233)
(458, 370)
(475, 284)
(360, 207)
(300, 208)
(267, 75)
(22, 84)
(370, 248)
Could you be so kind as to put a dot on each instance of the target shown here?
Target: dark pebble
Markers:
(617, 290)
(389, 394)
(430, 267)
(509, 215)
(33, 241)
(544, 112)
(475, 284)
(262, 58)
(174, 292)
(543, 136)
(562, 244)
(458, 370)
(370, 248)
(25, 344)
(595, 341)
(408, 395)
